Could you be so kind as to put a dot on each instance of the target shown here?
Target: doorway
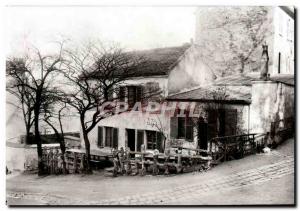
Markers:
(202, 134)
(131, 139)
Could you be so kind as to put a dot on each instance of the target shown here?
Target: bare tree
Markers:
(21, 93)
(39, 73)
(53, 110)
(236, 33)
(94, 74)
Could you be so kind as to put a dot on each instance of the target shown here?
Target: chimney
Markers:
(264, 72)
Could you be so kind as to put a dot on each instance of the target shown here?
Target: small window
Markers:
(279, 62)
(111, 137)
(152, 91)
(122, 93)
(280, 26)
(108, 94)
(134, 95)
(185, 128)
(154, 140)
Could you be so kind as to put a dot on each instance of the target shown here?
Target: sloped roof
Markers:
(208, 93)
(237, 80)
(234, 91)
(154, 62)
(247, 79)
(287, 79)
(159, 61)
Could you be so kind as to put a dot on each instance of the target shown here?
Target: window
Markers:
(100, 137)
(280, 25)
(222, 122)
(108, 93)
(134, 95)
(279, 62)
(185, 128)
(152, 90)
(182, 128)
(290, 30)
(110, 137)
(122, 93)
(154, 140)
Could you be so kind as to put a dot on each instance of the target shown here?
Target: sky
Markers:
(133, 27)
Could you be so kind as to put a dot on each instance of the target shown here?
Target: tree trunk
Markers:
(63, 151)
(27, 134)
(38, 141)
(88, 169)
(61, 140)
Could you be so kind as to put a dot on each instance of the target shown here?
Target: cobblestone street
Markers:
(256, 179)
(195, 191)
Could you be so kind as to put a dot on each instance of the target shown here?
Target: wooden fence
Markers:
(235, 147)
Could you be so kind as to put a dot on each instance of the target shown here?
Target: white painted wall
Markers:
(130, 120)
(283, 42)
(191, 71)
(270, 100)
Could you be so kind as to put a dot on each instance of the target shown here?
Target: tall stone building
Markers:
(231, 38)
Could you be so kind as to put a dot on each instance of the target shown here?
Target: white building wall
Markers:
(130, 120)
(271, 101)
(283, 42)
(191, 71)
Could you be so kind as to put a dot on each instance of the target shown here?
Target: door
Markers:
(140, 139)
(131, 139)
(202, 134)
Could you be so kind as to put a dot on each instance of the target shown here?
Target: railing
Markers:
(282, 130)
(232, 147)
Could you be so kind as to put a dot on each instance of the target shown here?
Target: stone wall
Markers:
(271, 101)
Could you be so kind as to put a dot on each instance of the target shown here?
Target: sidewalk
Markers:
(256, 179)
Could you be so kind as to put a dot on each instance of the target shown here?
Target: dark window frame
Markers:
(156, 142)
(134, 94)
(111, 138)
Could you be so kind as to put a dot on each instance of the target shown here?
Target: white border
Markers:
(103, 3)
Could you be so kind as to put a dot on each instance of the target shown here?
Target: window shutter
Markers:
(151, 89)
(100, 137)
(131, 96)
(189, 129)
(115, 138)
(122, 94)
(222, 122)
(230, 122)
(174, 127)
(139, 93)
(212, 123)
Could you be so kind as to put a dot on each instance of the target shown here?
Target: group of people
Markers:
(121, 160)
(53, 161)
(123, 165)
